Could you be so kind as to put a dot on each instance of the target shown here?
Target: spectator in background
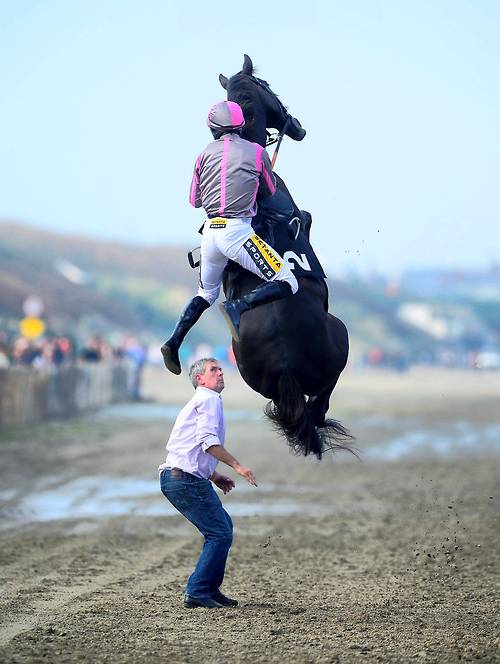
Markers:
(57, 356)
(51, 354)
(93, 351)
(24, 352)
(4, 355)
(136, 353)
(66, 348)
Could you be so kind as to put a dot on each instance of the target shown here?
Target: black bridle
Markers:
(277, 137)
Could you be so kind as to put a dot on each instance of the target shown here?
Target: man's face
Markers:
(213, 378)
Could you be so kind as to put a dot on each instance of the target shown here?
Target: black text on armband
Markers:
(263, 257)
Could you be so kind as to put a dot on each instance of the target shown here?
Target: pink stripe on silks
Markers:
(269, 181)
(192, 195)
(260, 169)
(223, 169)
(236, 114)
(258, 158)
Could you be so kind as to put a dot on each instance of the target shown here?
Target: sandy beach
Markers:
(393, 558)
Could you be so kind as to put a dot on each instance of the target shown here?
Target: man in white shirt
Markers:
(195, 447)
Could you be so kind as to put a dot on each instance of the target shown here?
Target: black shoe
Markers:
(171, 359)
(191, 602)
(222, 599)
(190, 315)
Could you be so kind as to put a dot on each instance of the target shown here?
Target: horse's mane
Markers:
(244, 82)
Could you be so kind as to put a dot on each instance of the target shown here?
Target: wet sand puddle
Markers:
(96, 497)
(101, 497)
(459, 438)
(397, 436)
(159, 411)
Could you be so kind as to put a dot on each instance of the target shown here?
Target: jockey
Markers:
(228, 176)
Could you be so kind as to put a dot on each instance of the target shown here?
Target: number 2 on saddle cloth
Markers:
(287, 234)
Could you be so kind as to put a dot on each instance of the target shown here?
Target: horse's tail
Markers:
(292, 419)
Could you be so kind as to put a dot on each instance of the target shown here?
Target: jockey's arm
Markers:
(194, 190)
(267, 181)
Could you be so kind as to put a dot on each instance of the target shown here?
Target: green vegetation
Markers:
(56, 431)
(91, 286)
(94, 286)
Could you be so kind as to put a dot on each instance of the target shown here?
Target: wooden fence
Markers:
(29, 395)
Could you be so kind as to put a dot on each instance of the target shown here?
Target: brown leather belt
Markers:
(176, 472)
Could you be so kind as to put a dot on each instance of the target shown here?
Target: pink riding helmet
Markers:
(225, 115)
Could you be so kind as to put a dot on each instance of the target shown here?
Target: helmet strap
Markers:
(217, 133)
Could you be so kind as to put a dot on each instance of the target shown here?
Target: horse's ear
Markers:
(247, 65)
(223, 80)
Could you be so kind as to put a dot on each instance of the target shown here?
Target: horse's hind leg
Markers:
(318, 405)
(332, 433)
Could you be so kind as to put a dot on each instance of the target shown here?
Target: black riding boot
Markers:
(264, 293)
(190, 315)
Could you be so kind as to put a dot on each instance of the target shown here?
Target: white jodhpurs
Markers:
(235, 239)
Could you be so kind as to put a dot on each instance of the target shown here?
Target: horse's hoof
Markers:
(232, 324)
(171, 360)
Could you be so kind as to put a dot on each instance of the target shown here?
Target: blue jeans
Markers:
(196, 499)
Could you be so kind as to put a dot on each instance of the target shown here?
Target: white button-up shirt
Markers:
(199, 425)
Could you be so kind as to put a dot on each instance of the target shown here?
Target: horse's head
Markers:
(261, 106)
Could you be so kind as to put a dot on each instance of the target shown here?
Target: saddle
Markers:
(286, 232)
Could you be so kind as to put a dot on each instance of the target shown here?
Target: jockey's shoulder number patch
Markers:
(263, 256)
(218, 222)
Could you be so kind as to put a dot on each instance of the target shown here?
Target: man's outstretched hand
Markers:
(246, 473)
(224, 483)
(221, 454)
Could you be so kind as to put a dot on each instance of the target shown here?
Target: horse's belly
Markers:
(306, 352)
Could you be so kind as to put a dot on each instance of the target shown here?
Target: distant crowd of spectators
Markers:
(450, 358)
(56, 351)
(47, 351)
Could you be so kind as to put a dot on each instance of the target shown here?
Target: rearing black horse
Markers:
(292, 347)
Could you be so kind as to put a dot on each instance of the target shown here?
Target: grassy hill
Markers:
(85, 281)
(91, 285)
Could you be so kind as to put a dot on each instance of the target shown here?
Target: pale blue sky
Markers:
(103, 105)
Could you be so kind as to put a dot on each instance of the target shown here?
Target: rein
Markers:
(278, 141)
